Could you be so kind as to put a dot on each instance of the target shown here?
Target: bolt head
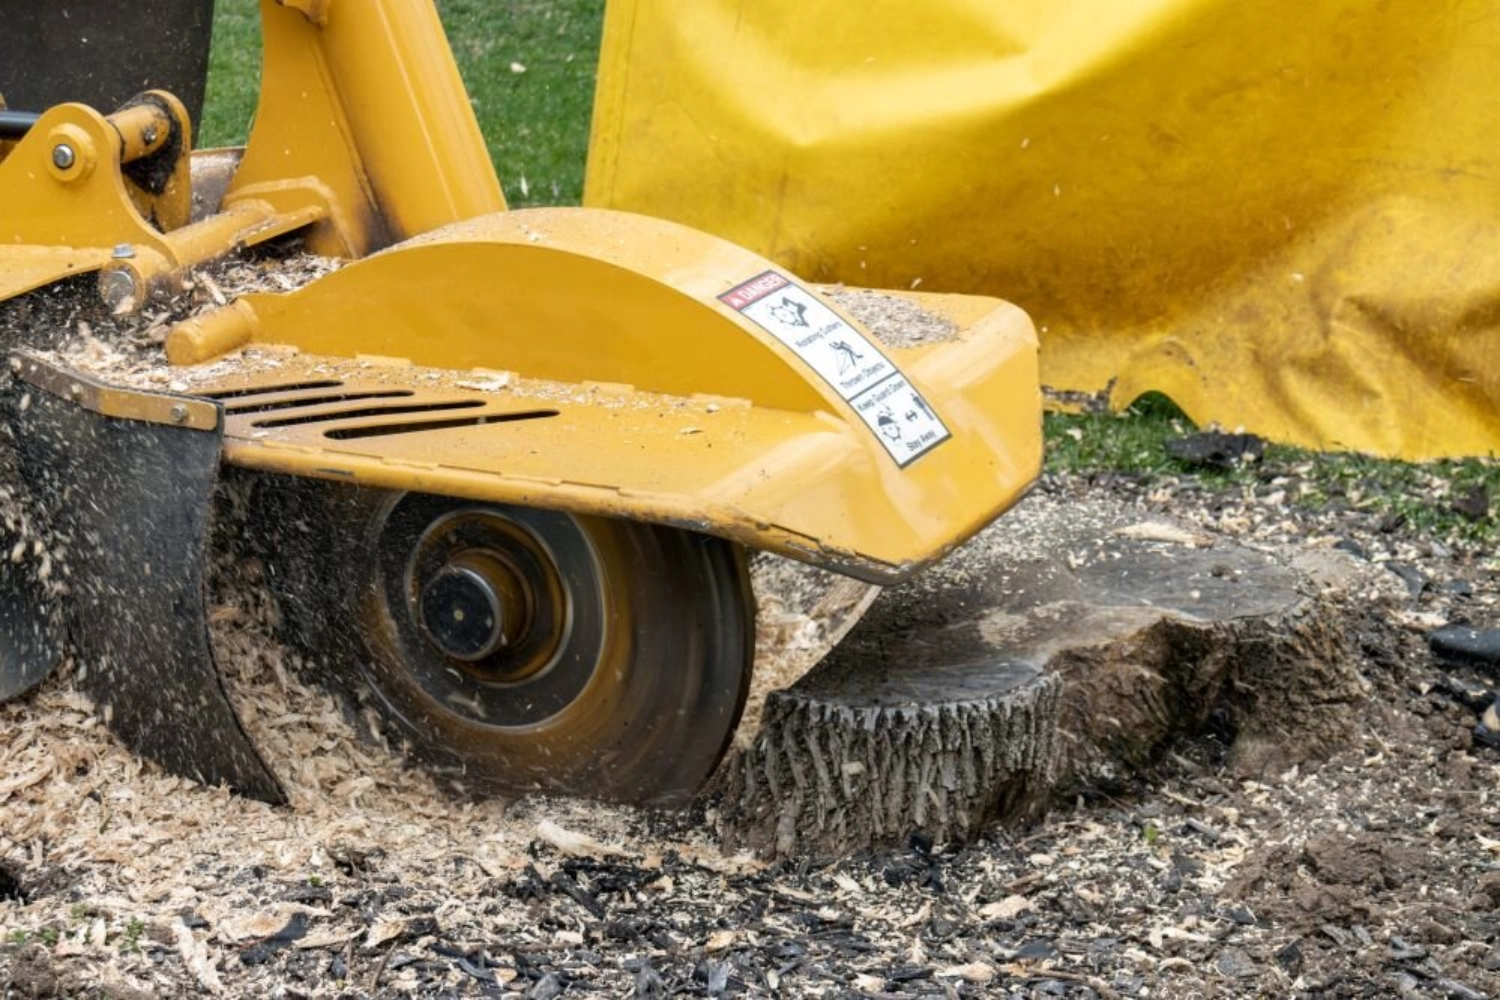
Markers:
(63, 156)
(179, 413)
(118, 289)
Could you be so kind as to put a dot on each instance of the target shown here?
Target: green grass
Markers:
(1419, 495)
(1130, 442)
(131, 940)
(233, 74)
(529, 66)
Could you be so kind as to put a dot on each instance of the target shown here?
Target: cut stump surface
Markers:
(1063, 648)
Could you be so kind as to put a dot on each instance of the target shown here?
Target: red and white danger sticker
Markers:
(846, 359)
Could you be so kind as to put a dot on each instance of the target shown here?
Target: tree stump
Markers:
(800, 614)
(1065, 646)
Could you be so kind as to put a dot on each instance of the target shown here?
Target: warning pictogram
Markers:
(892, 408)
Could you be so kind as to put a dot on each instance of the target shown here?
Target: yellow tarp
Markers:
(1285, 214)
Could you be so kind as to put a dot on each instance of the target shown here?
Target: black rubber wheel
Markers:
(520, 650)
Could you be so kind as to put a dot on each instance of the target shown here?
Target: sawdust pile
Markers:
(161, 863)
(896, 321)
(1373, 875)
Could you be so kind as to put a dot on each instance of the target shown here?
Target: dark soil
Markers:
(1374, 874)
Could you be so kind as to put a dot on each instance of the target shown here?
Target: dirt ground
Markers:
(1375, 873)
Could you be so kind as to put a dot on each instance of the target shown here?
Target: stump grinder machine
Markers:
(514, 458)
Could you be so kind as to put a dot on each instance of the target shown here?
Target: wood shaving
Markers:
(1161, 531)
(896, 321)
(574, 844)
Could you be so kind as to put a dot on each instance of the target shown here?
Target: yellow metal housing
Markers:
(66, 209)
(363, 134)
(612, 390)
(583, 360)
(362, 107)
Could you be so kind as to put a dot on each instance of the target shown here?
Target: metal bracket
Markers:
(108, 400)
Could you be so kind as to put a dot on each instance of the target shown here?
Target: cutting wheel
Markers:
(522, 650)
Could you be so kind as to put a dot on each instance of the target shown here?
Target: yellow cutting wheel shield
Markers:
(612, 364)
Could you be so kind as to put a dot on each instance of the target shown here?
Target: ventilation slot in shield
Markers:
(267, 390)
(242, 409)
(414, 426)
(368, 411)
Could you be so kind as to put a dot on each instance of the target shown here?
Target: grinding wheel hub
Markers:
(517, 649)
(485, 592)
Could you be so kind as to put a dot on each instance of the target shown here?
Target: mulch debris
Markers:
(1375, 873)
(1216, 449)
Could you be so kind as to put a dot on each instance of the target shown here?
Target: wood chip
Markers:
(1006, 909)
(973, 972)
(574, 844)
(33, 777)
(195, 956)
(1160, 531)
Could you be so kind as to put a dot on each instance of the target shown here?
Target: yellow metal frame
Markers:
(67, 209)
(363, 136)
(362, 109)
(566, 358)
(108, 400)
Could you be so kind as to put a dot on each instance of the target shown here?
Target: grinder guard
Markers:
(132, 497)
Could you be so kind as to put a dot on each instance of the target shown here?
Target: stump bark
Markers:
(1063, 647)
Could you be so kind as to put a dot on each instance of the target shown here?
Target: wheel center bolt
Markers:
(472, 607)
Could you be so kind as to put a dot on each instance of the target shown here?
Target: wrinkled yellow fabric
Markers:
(1284, 214)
